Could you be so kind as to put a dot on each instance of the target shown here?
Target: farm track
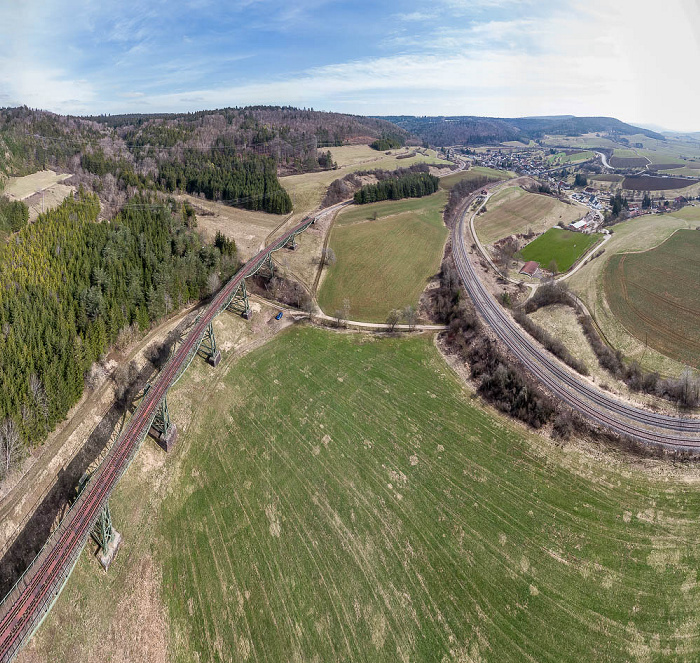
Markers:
(25, 607)
(676, 433)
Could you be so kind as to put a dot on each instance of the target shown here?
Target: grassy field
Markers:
(513, 211)
(19, 188)
(690, 212)
(656, 295)
(563, 246)
(686, 170)
(576, 157)
(359, 505)
(385, 263)
(638, 234)
(248, 229)
(307, 192)
(449, 181)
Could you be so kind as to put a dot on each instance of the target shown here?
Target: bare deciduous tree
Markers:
(39, 395)
(392, 319)
(11, 449)
(328, 257)
(213, 283)
(410, 316)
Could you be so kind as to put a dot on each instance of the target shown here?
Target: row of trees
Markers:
(411, 185)
(69, 285)
(387, 142)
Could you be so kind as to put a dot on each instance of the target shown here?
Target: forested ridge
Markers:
(474, 130)
(230, 154)
(70, 285)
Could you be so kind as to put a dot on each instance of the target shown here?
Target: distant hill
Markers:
(473, 130)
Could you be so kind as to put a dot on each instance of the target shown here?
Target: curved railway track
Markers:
(648, 427)
(26, 605)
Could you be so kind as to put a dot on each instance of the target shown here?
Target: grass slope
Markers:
(386, 263)
(347, 501)
(341, 497)
(513, 211)
(563, 246)
(449, 181)
(639, 234)
(656, 295)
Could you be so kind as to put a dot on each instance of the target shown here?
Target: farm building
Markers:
(578, 226)
(530, 268)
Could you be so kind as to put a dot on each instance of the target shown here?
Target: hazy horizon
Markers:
(496, 58)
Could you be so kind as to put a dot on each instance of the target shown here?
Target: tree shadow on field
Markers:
(57, 501)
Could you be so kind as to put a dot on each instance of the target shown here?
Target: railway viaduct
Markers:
(31, 599)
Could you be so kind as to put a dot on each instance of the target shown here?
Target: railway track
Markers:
(26, 605)
(677, 433)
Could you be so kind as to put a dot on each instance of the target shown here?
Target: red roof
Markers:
(530, 267)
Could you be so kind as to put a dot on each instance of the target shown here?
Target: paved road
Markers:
(600, 407)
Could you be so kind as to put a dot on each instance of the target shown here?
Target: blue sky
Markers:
(468, 57)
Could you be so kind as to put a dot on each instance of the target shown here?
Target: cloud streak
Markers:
(490, 57)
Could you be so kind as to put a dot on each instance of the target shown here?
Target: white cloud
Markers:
(44, 87)
(491, 57)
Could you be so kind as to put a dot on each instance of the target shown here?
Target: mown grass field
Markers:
(385, 263)
(563, 246)
(449, 181)
(656, 295)
(513, 211)
(640, 234)
(307, 192)
(576, 157)
(342, 497)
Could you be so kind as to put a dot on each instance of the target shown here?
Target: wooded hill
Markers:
(238, 152)
(70, 286)
(473, 130)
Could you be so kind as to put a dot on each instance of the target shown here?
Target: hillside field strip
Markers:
(341, 497)
(634, 235)
(307, 192)
(513, 211)
(386, 263)
(563, 158)
(248, 229)
(41, 191)
(563, 246)
(656, 295)
(449, 181)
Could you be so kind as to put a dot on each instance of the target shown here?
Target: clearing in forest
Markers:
(513, 211)
(384, 263)
(561, 246)
(656, 295)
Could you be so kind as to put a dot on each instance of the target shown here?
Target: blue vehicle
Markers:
(279, 316)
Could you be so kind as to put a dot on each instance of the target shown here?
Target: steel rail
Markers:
(26, 605)
(670, 432)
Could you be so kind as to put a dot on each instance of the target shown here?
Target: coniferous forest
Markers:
(411, 185)
(69, 284)
(248, 181)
